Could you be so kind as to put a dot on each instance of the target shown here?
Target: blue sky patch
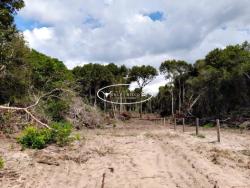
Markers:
(92, 22)
(155, 16)
(23, 24)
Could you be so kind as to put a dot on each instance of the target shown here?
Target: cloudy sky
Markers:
(133, 32)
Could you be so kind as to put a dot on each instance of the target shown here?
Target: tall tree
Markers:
(221, 81)
(14, 82)
(175, 70)
(143, 75)
(92, 77)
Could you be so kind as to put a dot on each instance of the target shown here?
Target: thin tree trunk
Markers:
(105, 105)
(120, 103)
(172, 99)
(141, 103)
(95, 97)
(183, 93)
(179, 96)
(90, 95)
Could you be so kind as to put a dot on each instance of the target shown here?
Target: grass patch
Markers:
(77, 137)
(208, 125)
(1, 163)
(199, 135)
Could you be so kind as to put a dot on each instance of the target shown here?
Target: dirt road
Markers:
(146, 156)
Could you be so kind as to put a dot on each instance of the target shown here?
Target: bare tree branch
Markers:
(26, 109)
(2, 68)
(247, 75)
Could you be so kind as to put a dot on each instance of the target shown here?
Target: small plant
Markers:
(208, 125)
(1, 163)
(77, 137)
(199, 135)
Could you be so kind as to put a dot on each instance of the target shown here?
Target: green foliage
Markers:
(91, 77)
(221, 79)
(47, 73)
(13, 67)
(172, 68)
(1, 163)
(35, 138)
(220, 82)
(77, 137)
(8, 8)
(143, 75)
(14, 77)
(209, 125)
(32, 138)
(61, 133)
(56, 109)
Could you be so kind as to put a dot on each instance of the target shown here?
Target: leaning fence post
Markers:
(218, 129)
(174, 123)
(197, 126)
(183, 124)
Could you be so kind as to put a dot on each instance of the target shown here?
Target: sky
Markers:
(133, 32)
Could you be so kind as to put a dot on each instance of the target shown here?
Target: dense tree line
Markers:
(217, 85)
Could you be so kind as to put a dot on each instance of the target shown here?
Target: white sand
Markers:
(137, 156)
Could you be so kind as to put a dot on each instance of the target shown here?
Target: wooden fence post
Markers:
(174, 123)
(218, 129)
(164, 121)
(197, 126)
(183, 124)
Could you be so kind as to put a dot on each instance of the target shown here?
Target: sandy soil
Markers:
(138, 154)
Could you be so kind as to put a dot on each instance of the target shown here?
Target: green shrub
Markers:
(1, 163)
(35, 138)
(32, 137)
(56, 109)
(61, 132)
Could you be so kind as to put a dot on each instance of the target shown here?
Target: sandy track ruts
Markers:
(148, 159)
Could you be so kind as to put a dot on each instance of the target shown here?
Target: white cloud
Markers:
(117, 31)
(38, 36)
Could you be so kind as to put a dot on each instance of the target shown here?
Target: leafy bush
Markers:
(1, 162)
(32, 137)
(57, 109)
(35, 138)
(61, 133)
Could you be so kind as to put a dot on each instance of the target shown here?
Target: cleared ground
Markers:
(135, 154)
